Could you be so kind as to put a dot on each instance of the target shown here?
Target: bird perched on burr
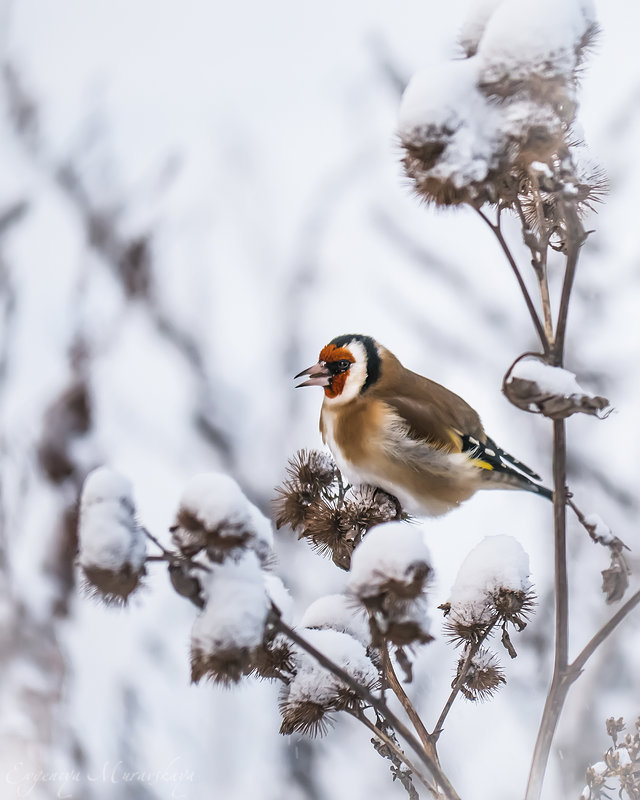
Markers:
(394, 429)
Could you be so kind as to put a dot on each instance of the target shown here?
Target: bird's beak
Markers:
(318, 374)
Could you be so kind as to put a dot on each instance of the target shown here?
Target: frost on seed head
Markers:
(492, 588)
(472, 128)
(112, 546)
(215, 515)
(537, 47)
(231, 626)
(389, 574)
(314, 692)
(392, 558)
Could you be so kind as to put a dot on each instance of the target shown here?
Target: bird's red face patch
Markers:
(333, 353)
(330, 353)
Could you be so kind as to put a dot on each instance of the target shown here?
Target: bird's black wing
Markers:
(494, 457)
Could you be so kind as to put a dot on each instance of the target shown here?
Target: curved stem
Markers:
(359, 715)
(455, 689)
(538, 246)
(575, 240)
(453, 694)
(375, 702)
(400, 693)
(590, 648)
(523, 287)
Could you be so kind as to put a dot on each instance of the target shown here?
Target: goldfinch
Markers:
(391, 428)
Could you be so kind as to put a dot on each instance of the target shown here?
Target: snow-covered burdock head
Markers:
(231, 628)
(314, 692)
(473, 129)
(389, 574)
(112, 546)
(216, 516)
(492, 588)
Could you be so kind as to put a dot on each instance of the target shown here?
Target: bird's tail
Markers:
(503, 479)
(501, 470)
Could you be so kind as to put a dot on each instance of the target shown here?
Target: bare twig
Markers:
(575, 240)
(360, 715)
(455, 689)
(375, 702)
(496, 228)
(458, 683)
(538, 246)
(590, 648)
(397, 688)
(561, 679)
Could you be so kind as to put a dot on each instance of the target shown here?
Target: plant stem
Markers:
(359, 715)
(523, 287)
(590, 648)
(561, 679)
(538, 246)
(563, 675)
(398, 690)
(378, 704)
(560, 545)
(575, 240)
(455, 689)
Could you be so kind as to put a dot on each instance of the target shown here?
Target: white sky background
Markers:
(256, 141)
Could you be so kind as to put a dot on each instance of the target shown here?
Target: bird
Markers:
(398, 431)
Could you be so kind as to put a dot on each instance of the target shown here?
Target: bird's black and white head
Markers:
(346, 368)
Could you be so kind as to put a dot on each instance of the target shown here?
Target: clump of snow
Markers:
(539, 38)
(236, 607)
(460, 139)
(110, 538)
(550, 380)
(391, 552)
(338, 612)
(279, 595)
(219, 505)
(313, 683)
(497, 564)
(475, 23)
(599, 528)
(442, 105)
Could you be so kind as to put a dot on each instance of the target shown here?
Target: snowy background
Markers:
(195, 197)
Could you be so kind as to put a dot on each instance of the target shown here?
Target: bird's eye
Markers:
(336, 367)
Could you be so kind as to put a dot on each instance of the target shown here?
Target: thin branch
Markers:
(561, 679)
(360, 715)
(550, 716)
(523, 287)
(560, 545)
(379, 705)
(603, 633)
(455, 689)
(575, 240)
(398, 690)
(563, 676)
(156, 541)
(538, 246)
(457, 685)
